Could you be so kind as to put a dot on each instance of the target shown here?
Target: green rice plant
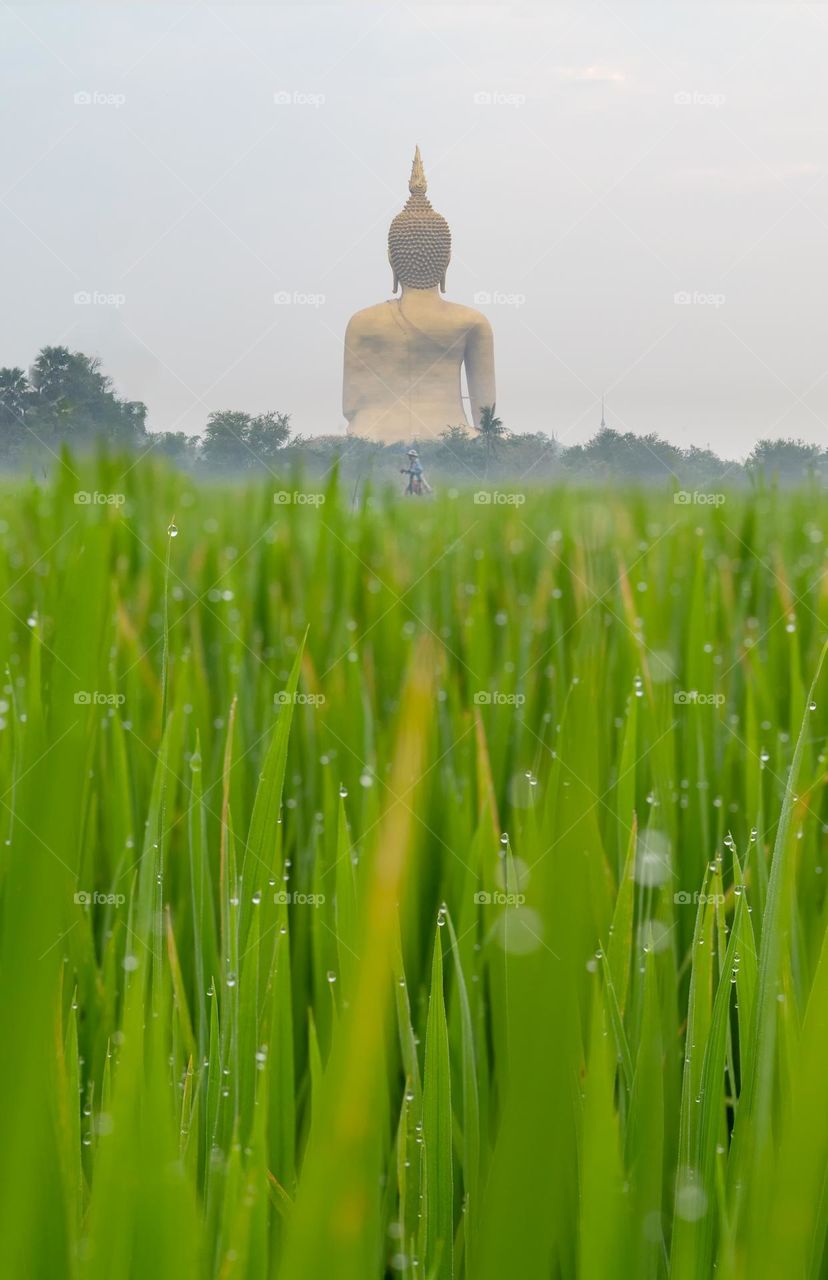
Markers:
(425, 889)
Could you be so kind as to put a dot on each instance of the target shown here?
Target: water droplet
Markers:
(172, 529)
(653, 858)
(691, 1200)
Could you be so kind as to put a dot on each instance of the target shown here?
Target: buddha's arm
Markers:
(480, 368)
(349, 377)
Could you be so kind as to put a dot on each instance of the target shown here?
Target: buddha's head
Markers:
(419, 240)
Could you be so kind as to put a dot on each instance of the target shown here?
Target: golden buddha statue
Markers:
(403, 357)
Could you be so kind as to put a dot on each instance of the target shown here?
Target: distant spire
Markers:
(603, 424)
(417, 182)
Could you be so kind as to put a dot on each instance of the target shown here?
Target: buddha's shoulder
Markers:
(467, 317)
(369, 319)
(382, 316)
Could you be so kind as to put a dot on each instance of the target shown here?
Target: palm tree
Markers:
(491, 429)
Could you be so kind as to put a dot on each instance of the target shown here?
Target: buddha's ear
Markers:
(443, 283)
(396, 284)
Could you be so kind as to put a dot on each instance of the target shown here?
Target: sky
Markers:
(199, 194)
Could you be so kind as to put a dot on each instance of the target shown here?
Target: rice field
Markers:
(434, 889)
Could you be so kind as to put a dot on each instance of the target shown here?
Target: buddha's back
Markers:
(404, 360)
(404, 357)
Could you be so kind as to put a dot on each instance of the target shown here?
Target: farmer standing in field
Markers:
(417, 483)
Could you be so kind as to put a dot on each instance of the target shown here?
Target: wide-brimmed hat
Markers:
(412, 453)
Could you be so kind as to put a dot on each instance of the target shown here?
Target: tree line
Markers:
(65, 398)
